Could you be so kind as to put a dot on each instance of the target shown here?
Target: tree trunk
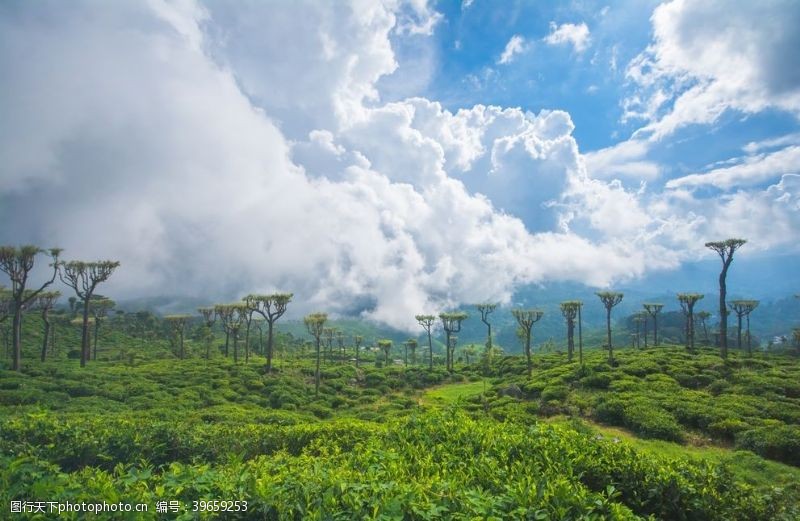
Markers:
(570, 338)
(580, 335)
(46, 335)
(749, 347)
(430, 350)
(645, 331)
(316, 373)
(247, 342)
(227, 342)
(739, 332)
(723, 310)
(655, 330)
(235, 346)
(16, 336)
(608, 329)
(528, 352)
(270, 339)
(85, 332)
(182, 351)
(447, 350)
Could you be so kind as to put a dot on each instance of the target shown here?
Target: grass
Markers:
(746, 466)
(451, 393)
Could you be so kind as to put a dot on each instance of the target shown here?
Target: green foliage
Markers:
(412, 468)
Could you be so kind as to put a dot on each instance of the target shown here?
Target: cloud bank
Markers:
(222, 150)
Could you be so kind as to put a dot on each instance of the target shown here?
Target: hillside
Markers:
(140, 425)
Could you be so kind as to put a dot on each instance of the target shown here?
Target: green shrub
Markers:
(781, 442)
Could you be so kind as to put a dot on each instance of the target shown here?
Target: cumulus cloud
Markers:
(516, 45)
(707, 58)
(213, 159)
(576, 35)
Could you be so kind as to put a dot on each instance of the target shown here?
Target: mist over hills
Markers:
(773, 280)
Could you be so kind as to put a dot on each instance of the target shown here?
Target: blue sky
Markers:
(387, 158)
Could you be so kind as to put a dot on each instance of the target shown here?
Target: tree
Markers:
(385, 345)
(271, 307)
(209, 317)
(232, 317)
(653, 309)
(725, 249)
(18, 263)
(704, 316)
(526, 318)
(84, 277)
(329, 333)
(357, 339)
(638, 318)
(99, 306)
(315, 323)
(743, 308)
(178, 325)
(45, 302)
(426, 321)
(340, 342)
(570, 309)
(687, 301)
(609, 300)
(411, 343)
(485, 309)
(451, 322)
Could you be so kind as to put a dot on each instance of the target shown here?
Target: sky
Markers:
(387, 158)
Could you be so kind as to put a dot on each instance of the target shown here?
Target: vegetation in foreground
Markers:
(395, 442)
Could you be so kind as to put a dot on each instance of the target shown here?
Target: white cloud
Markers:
(709, 57)
(777, 142)
(625, 159)
(516, 45)
(576, 35)
(752, 170)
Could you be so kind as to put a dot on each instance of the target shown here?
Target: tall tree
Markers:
(638, 318)
(486, 309)
(83, 278)
(99, 307)
(209, 317)
(644, 316)
(340, 341)
(653, 309)
(17, 263)
(725, 249)
(687, 302)
(329, 333)
(569, 309)
(743, 308)
(315, 324)
(609, 300)
(451, 322)
(357, 340)
(385, 345)
(526, 318)
(411, 344)
(232, 317)
(45, 302)
(271, 307)
(427, 321)
(704, 316)
(178, 325)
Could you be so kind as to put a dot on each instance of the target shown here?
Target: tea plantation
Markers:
(396, 442)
